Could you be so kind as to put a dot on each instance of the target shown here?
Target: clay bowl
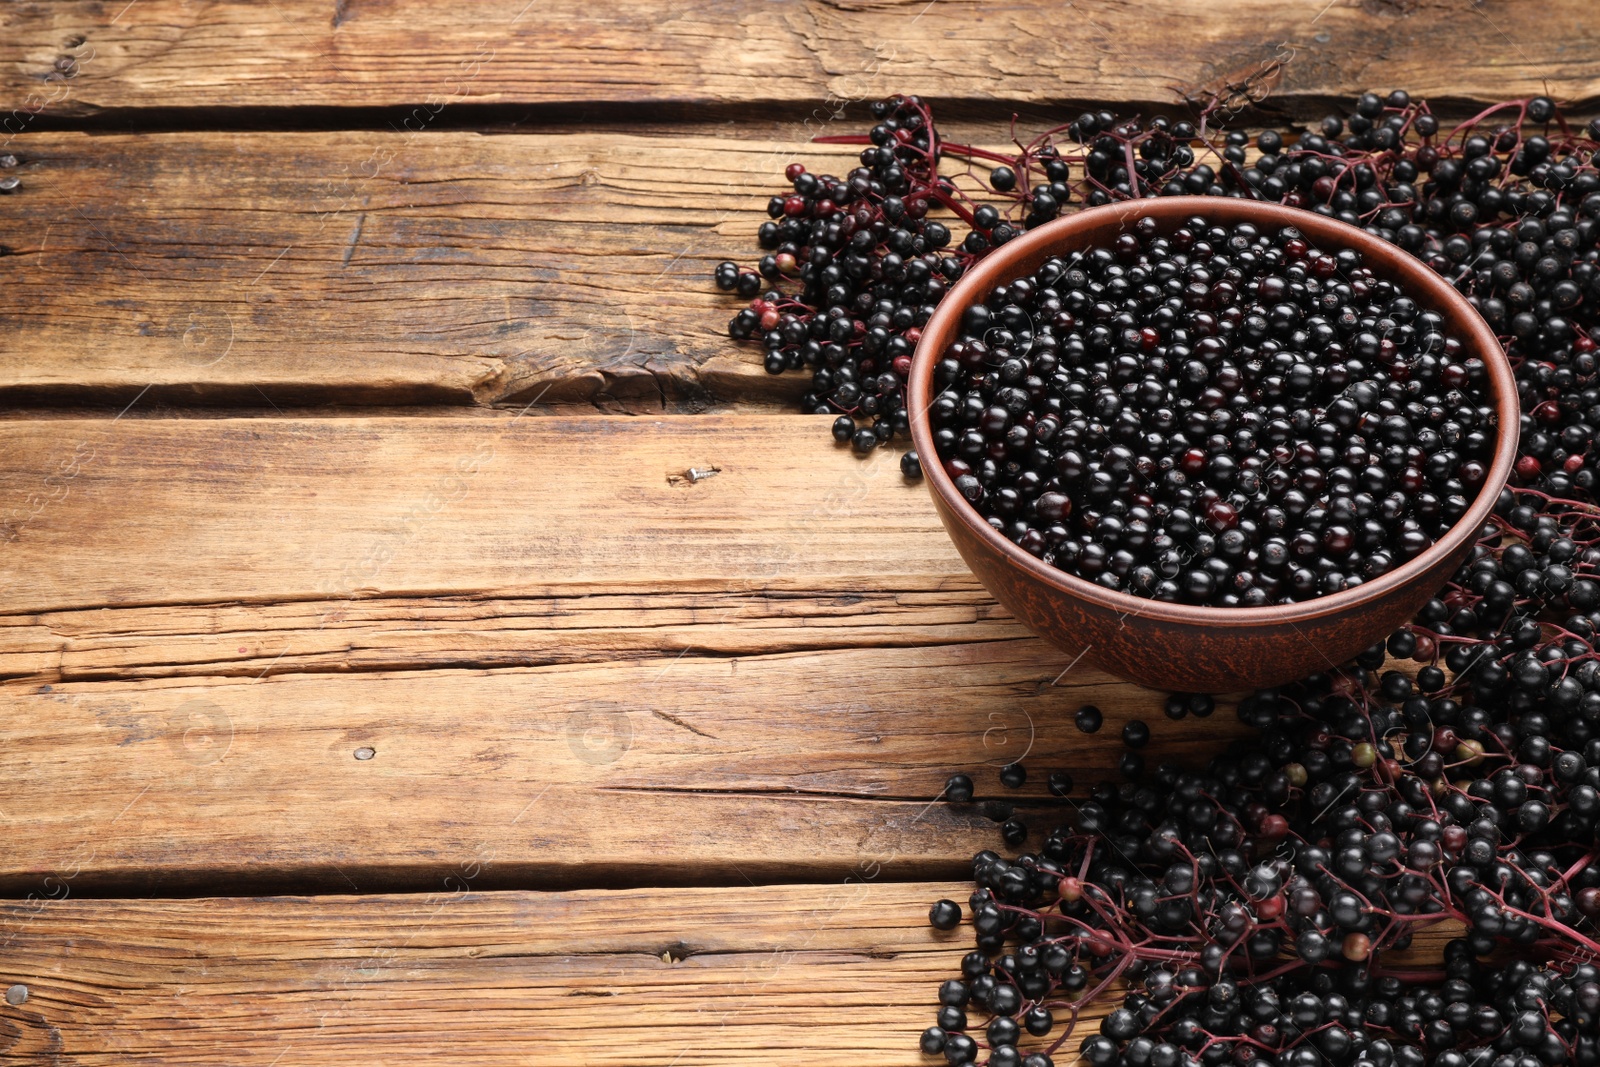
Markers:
(1179, 646)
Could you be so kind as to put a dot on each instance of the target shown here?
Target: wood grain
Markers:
(84, 57)
(287, 268)
(234, 607)
(219, 511)
(801, 975)
(413, 633)
(664, 770)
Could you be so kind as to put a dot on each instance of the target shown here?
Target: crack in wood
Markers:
(679, 722)
(355, 239)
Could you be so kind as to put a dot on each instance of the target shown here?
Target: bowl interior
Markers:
(1101, 225)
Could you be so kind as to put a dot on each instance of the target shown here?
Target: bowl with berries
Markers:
(1205, 442)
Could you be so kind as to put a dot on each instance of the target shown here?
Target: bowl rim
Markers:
(1417, 278)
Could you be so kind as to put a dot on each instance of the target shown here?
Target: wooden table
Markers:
(425, 635)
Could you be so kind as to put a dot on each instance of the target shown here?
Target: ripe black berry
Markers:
(1088, 719)
(945, 915)
(1135, 734)
(958, 790)
(959, 1048)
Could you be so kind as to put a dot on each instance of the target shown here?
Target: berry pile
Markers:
(1258, 911)
(1215, 416)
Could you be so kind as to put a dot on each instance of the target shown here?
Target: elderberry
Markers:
(945, 915)
(958, 790)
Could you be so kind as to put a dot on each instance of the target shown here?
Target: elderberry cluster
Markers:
(1218, 415)
(1267, 909)
(854, 269)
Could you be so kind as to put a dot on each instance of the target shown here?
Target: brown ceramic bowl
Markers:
(1181, 646)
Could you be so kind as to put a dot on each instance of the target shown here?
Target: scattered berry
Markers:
(1135, 734)
(958, 789)
(1088, 719)
(945, 915)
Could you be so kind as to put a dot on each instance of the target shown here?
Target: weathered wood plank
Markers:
(660, 770)
(273, 269)
(805, 974)
(235, 607)
(220, 640)
(650, 978)
(79, 58)
(136, 512)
